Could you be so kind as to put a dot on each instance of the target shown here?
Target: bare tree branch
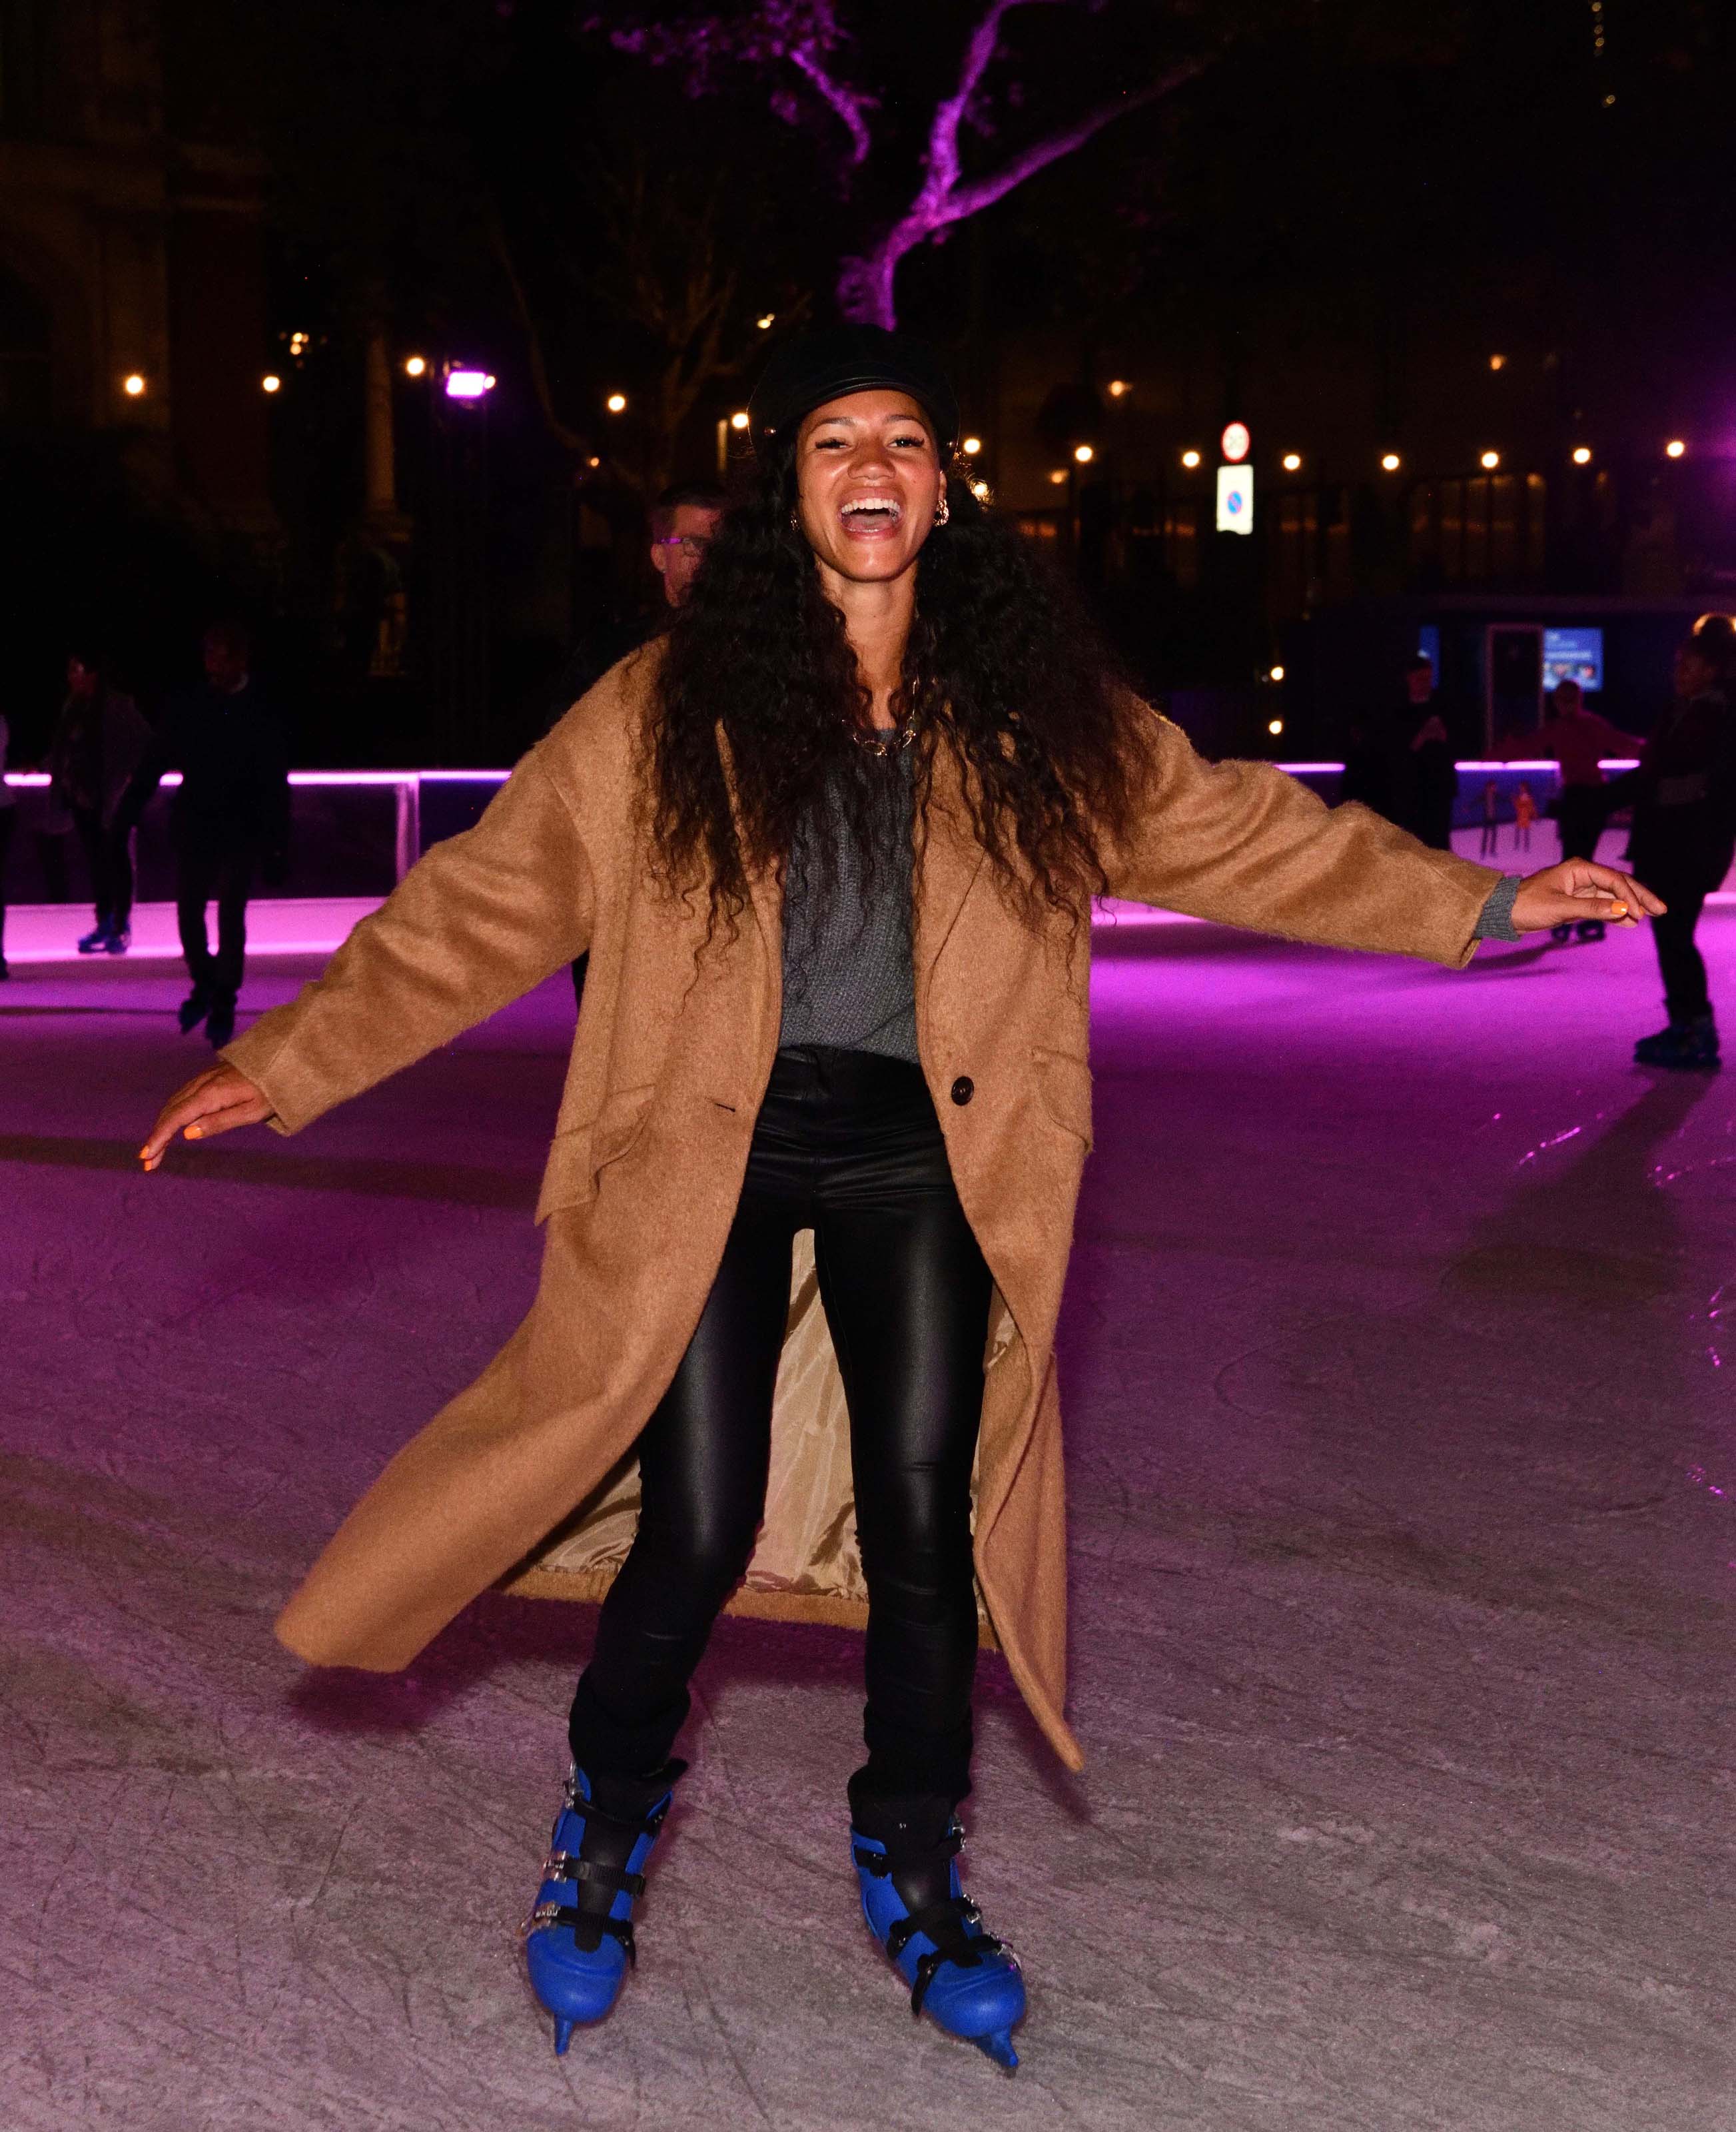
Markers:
(849, 103)
(866, 285)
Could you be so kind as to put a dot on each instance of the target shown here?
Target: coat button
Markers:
(963, 1088)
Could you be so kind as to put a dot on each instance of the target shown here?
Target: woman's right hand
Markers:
(212, 1102)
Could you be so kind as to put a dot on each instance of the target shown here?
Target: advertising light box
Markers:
(1573, 655)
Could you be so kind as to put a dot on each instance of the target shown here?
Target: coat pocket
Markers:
(1065, 1085)
(580, 1155)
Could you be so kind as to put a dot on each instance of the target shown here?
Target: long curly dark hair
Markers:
(1001, 662)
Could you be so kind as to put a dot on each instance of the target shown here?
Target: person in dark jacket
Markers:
(1683, 796)
(99, 739)
(1429, 782)
(684, 522)
(230, 819)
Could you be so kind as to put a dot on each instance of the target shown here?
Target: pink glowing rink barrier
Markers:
(356, 832)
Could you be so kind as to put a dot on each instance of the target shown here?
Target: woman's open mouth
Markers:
(863, 516)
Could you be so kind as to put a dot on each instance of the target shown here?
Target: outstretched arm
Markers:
(1245, 843)
(483, 918)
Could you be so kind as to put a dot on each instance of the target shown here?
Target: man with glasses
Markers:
(683, 523)
(684, 520)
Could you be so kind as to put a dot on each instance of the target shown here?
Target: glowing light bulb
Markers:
(1389, 461)
(1189, 458)
(738, 420)
(1084, 455)
(1278, 674)
(1489, 461)
(616, 403)
(1675, 448)
(1292, 462)
(415, 366)
(271, 382)
(1582, 454)
(133, 385)
(767, 323)
(970, 446)
(1275, 726)
(1118, 388)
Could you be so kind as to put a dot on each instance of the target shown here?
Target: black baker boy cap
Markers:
(835, 360)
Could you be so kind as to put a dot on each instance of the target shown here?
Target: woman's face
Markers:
(868, 483)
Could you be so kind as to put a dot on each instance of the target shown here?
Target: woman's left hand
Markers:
(1578, 889)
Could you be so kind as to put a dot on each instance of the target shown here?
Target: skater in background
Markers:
(836, 844)
(1491, 843)
(1524, 814)
(1683, 796)
(1578, 740)
(1431, 777)
(98, 741)
(684, 522)
(229, 822)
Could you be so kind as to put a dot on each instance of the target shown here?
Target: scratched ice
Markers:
(1400, 1642)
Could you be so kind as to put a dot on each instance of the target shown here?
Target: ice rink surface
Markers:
(1402, 1397)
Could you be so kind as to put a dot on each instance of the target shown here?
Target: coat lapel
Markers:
(948, 859)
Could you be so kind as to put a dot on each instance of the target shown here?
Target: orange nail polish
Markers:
(192, 1132)
(1617, 910)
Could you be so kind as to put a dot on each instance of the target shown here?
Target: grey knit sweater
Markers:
(848, 979)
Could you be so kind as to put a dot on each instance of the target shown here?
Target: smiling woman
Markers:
(831, 845)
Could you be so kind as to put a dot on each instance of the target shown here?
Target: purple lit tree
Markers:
(804, 48)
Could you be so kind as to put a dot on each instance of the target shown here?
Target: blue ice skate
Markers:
(907, 1861)
(578, 1938)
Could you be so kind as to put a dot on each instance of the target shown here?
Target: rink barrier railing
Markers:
(408, 787)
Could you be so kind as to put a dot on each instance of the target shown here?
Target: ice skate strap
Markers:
(566, 1865)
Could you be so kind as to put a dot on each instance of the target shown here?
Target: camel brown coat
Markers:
(529, 1474)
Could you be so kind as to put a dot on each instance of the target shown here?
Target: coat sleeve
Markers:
(480, 920)
(1245, 843)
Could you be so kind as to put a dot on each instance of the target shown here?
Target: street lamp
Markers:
(133, 385)
(970, 446)
(1389, 461)
(616, 403)
(1292, 462)
(1118, 388)
(415, 366)
(1190, 459)
(1582, 454)
(738, 420)
(1057, 477)
(1675, 448)
(1084, 455)
(1489, 461)
(271, 382)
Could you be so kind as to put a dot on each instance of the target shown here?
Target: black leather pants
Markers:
(848, 1144)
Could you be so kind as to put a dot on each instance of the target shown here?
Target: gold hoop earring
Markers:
(944, 510)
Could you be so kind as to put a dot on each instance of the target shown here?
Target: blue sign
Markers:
(1573, 655)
